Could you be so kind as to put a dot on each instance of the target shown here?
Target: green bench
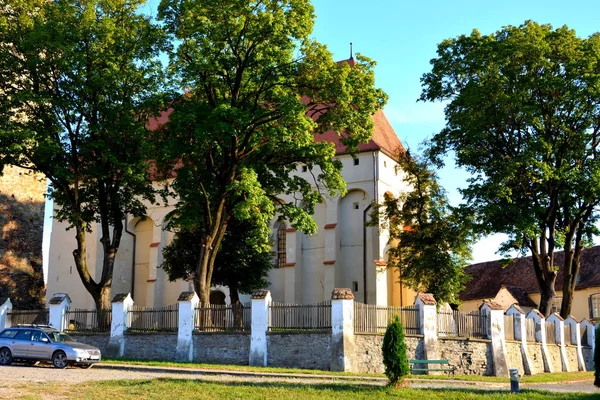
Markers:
(425, 366)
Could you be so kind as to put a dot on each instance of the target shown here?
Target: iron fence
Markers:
(27, 317)
(530, 330)
(223, 318)
(81, 320)
(462, 324)
(157, 319)
(283, 317)
(550, 332)
(509, 327)
(369, 318)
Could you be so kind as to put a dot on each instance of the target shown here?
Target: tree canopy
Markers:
(257, 89)
(523, 116)
(76, 80)
(430, 241)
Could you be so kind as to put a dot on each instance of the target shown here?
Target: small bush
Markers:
(597, 357)
(394, 352)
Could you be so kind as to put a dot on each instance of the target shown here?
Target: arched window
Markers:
(281, 245)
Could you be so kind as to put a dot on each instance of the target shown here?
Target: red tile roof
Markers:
(519, 278)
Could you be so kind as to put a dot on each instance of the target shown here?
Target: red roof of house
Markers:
(519, 277)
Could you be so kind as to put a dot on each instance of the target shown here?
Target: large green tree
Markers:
(76, 79)
(257, 90)
(430, 241)
(523, 116)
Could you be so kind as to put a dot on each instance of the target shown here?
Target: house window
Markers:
(356, 161)
(595, 306)
(355, 286)
(355, 206)
(281, 245)
(556, 303)
(304, 168)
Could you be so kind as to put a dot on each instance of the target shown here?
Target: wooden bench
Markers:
(425, 366)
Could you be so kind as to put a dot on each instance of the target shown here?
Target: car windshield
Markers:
(60, 337)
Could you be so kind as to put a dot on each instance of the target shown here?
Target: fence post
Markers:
(540, 336)
(5, 308)
(121, 304)
(521, 335)
(576, 338)
(495, 314)
(188, 301)
(58, 306)
(559, 334)
(261, 300)
(342, 330)
(428, 324)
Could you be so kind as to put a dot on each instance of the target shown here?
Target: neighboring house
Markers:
(516, 283)
(343, 253)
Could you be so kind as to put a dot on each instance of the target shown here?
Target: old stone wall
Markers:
(150, 345)
(469, 356)
(221, 348)
(367, 357)
(554, 357)
(572, 357)
(100, 340)
(514, 358)
(534, 350)
(588, 358)
(310, 350)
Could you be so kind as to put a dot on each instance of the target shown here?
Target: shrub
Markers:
(394, 352)
(597, 357)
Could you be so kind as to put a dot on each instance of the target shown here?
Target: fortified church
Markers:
(342, 254)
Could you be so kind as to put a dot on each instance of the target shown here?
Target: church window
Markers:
(281, 245)
(356, 161)
(355, 206)
(355, 286)
(595, 306)
(304, 168)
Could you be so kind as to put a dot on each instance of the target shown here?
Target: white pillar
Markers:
(495, 313)
(261, 300)
(342, 330)
(521, 334)
(188, 302)
(5, 308)
(58, 306)
(576, 338)
(428, 324)
(540, 336)
(559, 334)
(120, 307)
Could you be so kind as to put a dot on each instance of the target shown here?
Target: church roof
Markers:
(519, 278)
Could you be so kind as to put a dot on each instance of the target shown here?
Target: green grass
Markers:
(163, 389)
(539, 378)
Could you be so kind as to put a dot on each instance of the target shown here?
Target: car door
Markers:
(20, 343)
(38, 349)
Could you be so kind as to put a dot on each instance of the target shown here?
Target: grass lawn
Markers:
(539, 378)
(163, 389)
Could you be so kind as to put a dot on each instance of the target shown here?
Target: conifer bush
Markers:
(597, 357)
(394, 353)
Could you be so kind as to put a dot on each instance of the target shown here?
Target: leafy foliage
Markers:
(597, 358)
(76, 82)
(394, 352)
(430, 241)
(523, 117)
(257, 89)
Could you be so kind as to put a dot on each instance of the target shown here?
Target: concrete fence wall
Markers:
(337, 347)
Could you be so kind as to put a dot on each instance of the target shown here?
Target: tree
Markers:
(523, 117)
(430, 241)
(242, 126)
(238, 264)
(76, 79)
(394, 352)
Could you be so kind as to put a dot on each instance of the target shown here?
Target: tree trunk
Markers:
(545, 275)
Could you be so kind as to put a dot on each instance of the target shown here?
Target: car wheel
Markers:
(59, 359)
(5, 356)
(86, 366)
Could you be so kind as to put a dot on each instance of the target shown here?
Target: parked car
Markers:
(33, 343)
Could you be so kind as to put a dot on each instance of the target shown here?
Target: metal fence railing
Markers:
(284, 316)
(530, 330)
(550, 332)
(81, 320)
(509, 327)
(223, 318)
(26, 317)
(462, 324)
(147, 319)
(370, 318)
